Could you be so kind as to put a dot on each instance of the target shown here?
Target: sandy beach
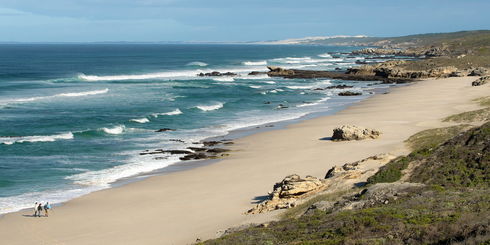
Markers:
(179, 207)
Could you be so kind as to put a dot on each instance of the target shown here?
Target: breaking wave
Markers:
(197, 63)
(325, 55)
(114, 130)
(159, 75)
(254, 63)
(210, 107)
(140, 120)
(73, 94)
(314, 103)
(171, 113)
(35, 138)
(136, 165)
(224, 79)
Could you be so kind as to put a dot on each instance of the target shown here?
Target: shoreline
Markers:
(234, 135)
(248, 176)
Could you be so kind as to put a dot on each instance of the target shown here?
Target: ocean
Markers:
(74, 117)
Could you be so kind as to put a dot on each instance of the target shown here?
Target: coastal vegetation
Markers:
(432, 137)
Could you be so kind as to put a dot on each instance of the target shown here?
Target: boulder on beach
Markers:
(457, 74)
(480, 81)
(352, 132)
(480, 71)
(288, 191)
(293, 186)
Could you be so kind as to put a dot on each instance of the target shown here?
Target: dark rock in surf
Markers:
(211, 143)
(341, 86)
(197, 148)
(255, 73)
(217, 150)
(349, 93)
(177, 140)
(194, 156)
(164, 130)
(216, 74)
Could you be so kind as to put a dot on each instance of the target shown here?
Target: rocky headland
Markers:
(411, 58)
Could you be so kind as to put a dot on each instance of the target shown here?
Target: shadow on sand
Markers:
(32, 216)
(259, 199)
(326, 138)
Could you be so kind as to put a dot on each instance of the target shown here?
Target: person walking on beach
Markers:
(39, 210)
(46, 207)
(35, 209)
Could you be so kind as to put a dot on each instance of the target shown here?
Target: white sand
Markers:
(179, 207)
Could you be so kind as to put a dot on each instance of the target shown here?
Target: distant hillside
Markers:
(327, 40)
(479, 37)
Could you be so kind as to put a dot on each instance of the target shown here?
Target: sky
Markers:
(231, 20)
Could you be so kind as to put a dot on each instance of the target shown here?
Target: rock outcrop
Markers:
(207, 151)
(288, 191)
(480, 71)
(348, 169)
(164, 130)
(309, 74)
(278, 71)
(414, 52)
(394, 69)
(216, 74)
(293, 189)
(341, 86)
(351, 132)
(349, 93)
(480, 81)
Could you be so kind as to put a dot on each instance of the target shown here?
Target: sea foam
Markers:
(314, 103)
(197, 63)
(224, 79)
(72, 94)
(210, 107)
(158, 75)
(36, 138)
(325, 55)
(114, 130)
(171, 113)
(135, 165)
(254, 63)
(140, 120)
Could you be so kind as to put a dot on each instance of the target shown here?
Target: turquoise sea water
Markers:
(74, 117)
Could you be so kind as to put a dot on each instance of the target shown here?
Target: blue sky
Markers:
(231, 20)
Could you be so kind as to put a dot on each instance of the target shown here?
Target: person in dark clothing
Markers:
(39, 210)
